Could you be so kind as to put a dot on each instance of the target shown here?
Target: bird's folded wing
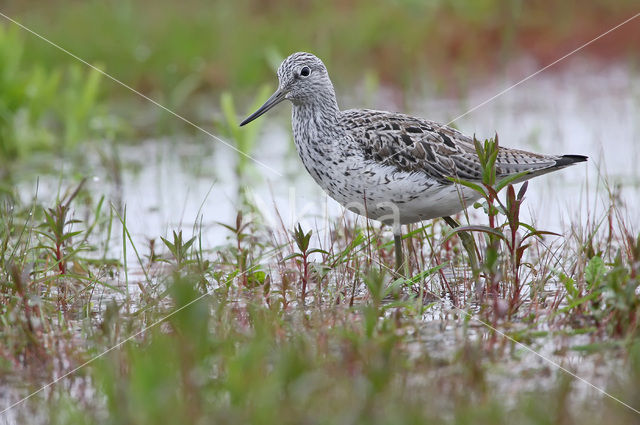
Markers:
(416, 145)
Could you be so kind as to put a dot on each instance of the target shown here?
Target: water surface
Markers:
(584, 109)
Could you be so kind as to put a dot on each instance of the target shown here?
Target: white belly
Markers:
(391, 197)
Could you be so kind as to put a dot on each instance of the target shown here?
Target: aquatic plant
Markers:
(244, 138)
(44, 109)
(510, 232)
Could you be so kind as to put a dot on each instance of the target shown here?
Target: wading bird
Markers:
(387, 166)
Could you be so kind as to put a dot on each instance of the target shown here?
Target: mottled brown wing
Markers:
(416, 145)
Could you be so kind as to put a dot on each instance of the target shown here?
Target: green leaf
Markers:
(70, 235)
(425, 273)
(595, 271)
(538, 233)
(188, 244)
(576, 303)
(475, 228)
(229, 112)
(169, 245)
(479, 150)
(294, 255)
(470, 185)
(302, 239)
(570, 286)
(509, 179)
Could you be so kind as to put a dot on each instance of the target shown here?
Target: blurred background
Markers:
(213, 62)
(145, 173)
(234, 45)
(155, 45)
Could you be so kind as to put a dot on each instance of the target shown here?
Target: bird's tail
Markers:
(560, 162)
(566, 160)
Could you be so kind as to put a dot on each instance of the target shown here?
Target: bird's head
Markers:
(302, 78)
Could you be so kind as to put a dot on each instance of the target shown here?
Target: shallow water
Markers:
(580, 110)
(189, 183)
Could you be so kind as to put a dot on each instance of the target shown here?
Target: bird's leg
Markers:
(468, 243)
(397, 239)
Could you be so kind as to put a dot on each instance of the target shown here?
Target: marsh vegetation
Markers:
(149, 274)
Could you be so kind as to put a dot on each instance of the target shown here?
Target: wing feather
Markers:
(417, 145)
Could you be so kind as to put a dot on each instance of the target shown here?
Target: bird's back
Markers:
(416, 145)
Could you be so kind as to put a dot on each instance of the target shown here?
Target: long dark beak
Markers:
(275, 98)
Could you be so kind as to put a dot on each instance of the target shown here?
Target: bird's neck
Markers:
(315, 119)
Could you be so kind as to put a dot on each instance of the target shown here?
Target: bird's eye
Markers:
(304, 72)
